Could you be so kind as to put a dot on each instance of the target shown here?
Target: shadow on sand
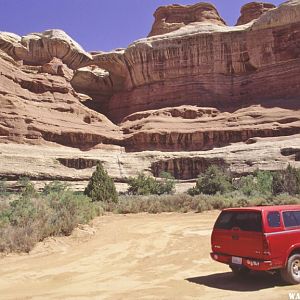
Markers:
(227, 281)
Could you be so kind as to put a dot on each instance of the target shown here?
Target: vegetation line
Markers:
(29, 216)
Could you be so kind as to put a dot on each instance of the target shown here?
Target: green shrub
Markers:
(246, 185)
(101, 187)
(25, 224)
(213, 181)
(147, 185)
(264, 181)
(141, 185)
(30, 217)
(4, 214)
(27, 188)
(54, 187)
(22, 211)
(69, 210)
(3, 187)
(286, 181)
(260, 183)
(167, 184)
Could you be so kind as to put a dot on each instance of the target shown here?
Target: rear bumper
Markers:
(250, 263)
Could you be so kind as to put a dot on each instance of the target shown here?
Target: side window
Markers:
(291, 218)
(297, 217)
(274, 219)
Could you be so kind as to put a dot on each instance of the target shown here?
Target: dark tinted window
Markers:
(291, 218)
(246, 221)
(274, 219)
(297, 216)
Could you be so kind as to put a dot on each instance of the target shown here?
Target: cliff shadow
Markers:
(255, 281)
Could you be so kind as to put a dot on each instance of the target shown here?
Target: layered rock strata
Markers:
(253, 11)
(39, 107)
(186, 167)
(229, 94)
(41, 48)
(207, 64)
(188, 128)
(172, 17)
(40, 162)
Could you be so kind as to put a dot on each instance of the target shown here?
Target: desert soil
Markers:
(143, 256)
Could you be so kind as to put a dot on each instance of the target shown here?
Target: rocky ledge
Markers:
(188, 128)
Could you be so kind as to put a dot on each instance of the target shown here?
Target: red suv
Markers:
(265, 238)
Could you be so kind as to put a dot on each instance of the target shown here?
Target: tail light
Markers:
(266, 246)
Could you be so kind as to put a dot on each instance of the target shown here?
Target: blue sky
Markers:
(97, 24)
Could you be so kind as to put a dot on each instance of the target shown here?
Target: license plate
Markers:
(236, 260)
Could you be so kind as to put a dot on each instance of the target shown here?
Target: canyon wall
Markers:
(209, 64)
(38, 107)
(188, 128)
(195, 92)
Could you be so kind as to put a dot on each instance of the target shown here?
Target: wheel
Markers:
(239, 270)
(291, 273)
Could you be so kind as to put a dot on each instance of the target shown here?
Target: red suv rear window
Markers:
(244, 220)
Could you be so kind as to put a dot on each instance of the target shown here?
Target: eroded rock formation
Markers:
(41, 48)
(172, 17)
(189, 128)
(38, 107)
(207, 64)
(291, 152)
(252, 11)
(57, 67)
(186, 167)
(78, 163)
(195, 84)
(287, 14)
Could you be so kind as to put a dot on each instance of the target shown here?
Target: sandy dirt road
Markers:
(141, 256)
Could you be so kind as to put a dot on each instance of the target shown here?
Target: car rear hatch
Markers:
(239, 233)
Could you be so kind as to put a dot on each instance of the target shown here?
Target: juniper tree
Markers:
(101, 187)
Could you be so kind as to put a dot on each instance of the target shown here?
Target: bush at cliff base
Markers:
(147, 185)
(214, 180)
(101, 187)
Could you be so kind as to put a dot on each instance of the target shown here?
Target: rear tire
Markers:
(239, 270)
(291, 273)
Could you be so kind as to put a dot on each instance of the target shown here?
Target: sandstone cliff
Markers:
(37, 107)
(208, 64)
(229, 94)
(41, 48)
(189, 128)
